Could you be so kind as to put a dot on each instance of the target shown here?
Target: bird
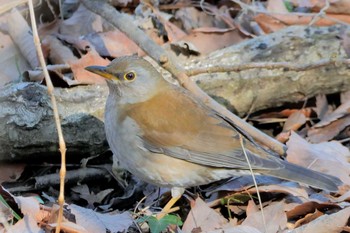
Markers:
(164, 135)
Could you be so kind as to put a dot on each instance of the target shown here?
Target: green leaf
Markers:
(157, 226)
(238, 198)
(289, 5)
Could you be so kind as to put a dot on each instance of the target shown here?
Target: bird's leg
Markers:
(176, 194)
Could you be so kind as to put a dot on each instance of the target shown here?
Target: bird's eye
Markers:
(130, 76)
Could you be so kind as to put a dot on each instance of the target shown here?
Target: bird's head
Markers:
(130, 76)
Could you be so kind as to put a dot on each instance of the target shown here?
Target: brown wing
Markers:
(176, 124)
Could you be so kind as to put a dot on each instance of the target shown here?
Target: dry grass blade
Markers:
(50, 89)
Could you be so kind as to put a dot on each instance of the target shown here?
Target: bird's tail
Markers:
(306, 176)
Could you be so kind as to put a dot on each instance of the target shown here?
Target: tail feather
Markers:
(306, 176)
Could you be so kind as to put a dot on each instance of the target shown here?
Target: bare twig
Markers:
(50, 90)
(320, 14)
(254, 180)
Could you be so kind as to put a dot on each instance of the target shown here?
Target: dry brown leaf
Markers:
(276, 6)
(331, 124)
(298, 192)
(327, 157)
(192, 18)
(328, 132)
(326, 224)
(148, 27)
(295, 121)
(10, 172)
(345, 96)
(26, 224)
(322, 108)
(19, 31)
(91, 197)
(97, 222)
(112, 43)
(309, 207)
(83, 76)
(308, 218)
(57, 52)
(336, 6)
(50, 28)
(286, 113)
(341, 111)
(274, 22)
(268, 23)
(275, 218)
(12, 63)
(30, 206)
(174, 33)
(82, 22)
(211, 40)
(252, 208)
(343, 197)
(203, 217)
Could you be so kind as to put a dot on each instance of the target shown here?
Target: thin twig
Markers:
(254, 180)
(50, 89)
(320, 14)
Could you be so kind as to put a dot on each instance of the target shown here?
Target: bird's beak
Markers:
(100, 70)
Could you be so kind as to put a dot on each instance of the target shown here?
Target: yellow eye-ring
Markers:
(130, 76)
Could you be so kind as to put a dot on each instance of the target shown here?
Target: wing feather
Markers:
(197, 133)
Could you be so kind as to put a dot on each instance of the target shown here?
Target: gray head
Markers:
(131, 77)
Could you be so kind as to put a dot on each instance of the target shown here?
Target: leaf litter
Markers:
(83, 39)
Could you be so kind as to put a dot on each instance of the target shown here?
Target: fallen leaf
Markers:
(276, 6)
(275, 218)
(10, 171)
(322, 108)
(328, 132)
(326, 224)
(275, 21)
(341, 111)
(193, 18)
(91, 197)
(309, 207)
(335, 6)
(12, 62)
(293, 123)
(83, 76)
(326, 157)
(26, 224)
(112, 43)
(28, 205)
(345, 96)
(57, 52)
(203, 217)
(295, 191)
(19, 31)
(207, 41)
(308, 218)
(82, 22)
(97, 222)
